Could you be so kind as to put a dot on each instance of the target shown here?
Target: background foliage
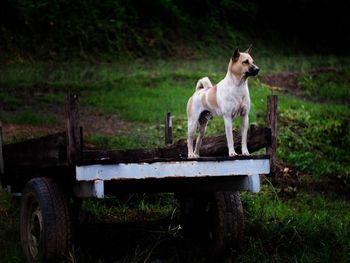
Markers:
(169, 27)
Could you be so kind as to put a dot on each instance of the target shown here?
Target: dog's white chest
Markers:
(235, 101)
(240, 109)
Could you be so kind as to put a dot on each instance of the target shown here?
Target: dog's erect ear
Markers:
(236, 54)
(248, 49)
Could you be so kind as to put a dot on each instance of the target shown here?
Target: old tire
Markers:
(216, 219)
(227, 221)
(45, 224)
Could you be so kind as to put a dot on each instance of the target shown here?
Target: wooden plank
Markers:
(39, 152)
(24, 160)
(168, 129)
(272, 102)
(181, 184)
(81, 130)
(182, 168)
(1, 151)
(73, 129)
(120, 155)
(258, 138)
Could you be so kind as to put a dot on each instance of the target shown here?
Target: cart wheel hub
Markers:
(35, 231)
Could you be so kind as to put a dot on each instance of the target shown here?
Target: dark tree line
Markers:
(138, 26)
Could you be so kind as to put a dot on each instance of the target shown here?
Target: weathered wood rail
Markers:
(258, 138)
(22, 160)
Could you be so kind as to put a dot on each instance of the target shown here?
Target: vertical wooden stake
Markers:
(272, 124)
(1, 151)
(168, 130)
(73, 129)
(81, 130)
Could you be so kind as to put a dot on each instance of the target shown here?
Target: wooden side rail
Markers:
(258, 138)
(74, 134)
(66, 148)
(1, 151)
(272, 124)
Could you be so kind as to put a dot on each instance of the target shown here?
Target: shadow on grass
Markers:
(155, 241)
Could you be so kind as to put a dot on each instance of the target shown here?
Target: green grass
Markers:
(28, 117)
(142, 98)
(141, 137)
(10, 248)
(305, 228)
(84, 74)
(312, 136)
(9, 102)
(333, 85)
(133, 207)
(275, 62)
(137, 90)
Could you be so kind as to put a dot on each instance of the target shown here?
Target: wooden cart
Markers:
(52, 172)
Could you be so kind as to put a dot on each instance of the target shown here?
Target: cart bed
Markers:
(236, 173)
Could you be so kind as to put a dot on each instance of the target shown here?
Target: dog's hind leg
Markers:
(203, 121)
(192, 126)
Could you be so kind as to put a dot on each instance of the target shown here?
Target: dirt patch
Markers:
(282, 80)
(95, 122)
(32, 99)
(289, 81)
(287, 178)
(290, 181)
(18, 132)
(92, 121)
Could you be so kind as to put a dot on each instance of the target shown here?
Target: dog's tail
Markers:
(204, 83)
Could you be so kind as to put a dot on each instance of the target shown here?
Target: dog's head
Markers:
(242, 64)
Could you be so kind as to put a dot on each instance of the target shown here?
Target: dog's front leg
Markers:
(229, 135)
(245, 124)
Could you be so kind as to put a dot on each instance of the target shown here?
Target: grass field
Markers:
(307, 221)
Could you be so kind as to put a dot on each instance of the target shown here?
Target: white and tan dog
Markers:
(228, 99)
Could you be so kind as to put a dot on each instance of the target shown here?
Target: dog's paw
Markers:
(192, 155)
(245, 152)
(232, 153)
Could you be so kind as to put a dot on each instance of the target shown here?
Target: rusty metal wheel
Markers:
(215, 219)
(226, 228)
(34, 230)
(45, 224)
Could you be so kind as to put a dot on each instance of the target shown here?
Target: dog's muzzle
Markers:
(253, 71)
